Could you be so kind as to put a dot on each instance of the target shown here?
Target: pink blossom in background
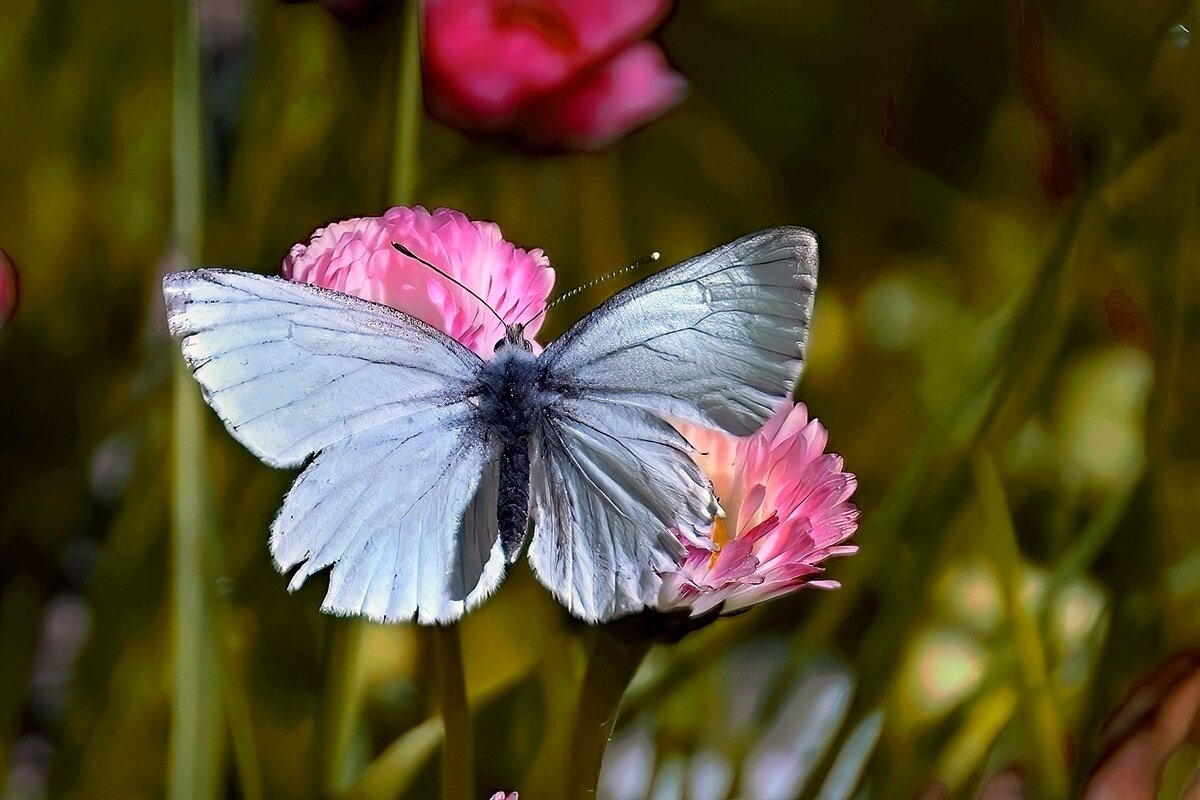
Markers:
(624, 93)
(787, 506)
(1158, 718)
(555, 73)
(8, 288)
(356, 257)
(503, 796)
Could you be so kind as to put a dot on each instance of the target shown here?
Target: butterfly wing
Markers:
(405, 515)
(608, 486)
(717, 340)
(292, 368)
(400, 497)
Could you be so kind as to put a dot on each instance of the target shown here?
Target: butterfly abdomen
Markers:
(510, 402)
(512, 506)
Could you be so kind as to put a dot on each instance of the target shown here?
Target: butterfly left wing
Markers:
(611, 487)
(400, 496)
(292, 368)
(405, 515)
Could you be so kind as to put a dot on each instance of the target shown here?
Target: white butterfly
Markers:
(425, 462)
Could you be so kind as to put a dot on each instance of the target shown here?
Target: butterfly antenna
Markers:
(641, 262)
(401, 248)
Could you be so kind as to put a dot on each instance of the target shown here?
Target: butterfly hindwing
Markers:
(611, 488)
(405, 515)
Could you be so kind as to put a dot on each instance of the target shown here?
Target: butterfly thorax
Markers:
(511, 404)
(509, 398)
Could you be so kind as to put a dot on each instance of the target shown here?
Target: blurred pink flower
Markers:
(555, 73)
(8, 288)
(503, 796)
(787, 506)
(356, 257)
(1159, 717)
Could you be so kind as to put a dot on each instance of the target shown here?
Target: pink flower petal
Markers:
(635, 87)
(559, 72)
(8, 288)
(790, 502)
(486, 60)
(356, 257)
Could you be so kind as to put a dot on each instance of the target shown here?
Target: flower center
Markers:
(552, 27)
(720, 535)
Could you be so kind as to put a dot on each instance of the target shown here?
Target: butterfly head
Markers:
(514, 336)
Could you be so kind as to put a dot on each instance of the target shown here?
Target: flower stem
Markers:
(194, 750)
(458, 760)
(611, 665)
(338, 725)
(406, 133)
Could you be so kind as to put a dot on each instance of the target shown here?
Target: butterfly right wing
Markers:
(612, 488)
(400, 498)
(718, 340)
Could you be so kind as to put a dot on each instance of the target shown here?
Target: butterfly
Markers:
(424, 464)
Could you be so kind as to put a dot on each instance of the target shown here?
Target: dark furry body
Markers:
(512, 402)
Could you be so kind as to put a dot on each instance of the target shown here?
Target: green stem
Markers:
(406, 134)
(611, 666)
(187, 149)
(236, 704)
(339, 714)
(458, 760)
(194, 759)
(194, 749)
(1040, 706)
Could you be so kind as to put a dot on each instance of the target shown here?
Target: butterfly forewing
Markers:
(291, 368)
(718, 340)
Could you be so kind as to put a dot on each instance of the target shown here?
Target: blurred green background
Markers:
(983, 176)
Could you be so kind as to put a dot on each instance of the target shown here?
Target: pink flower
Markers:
(556, 73)
(8, 288)
(1159, 717)
(787, 509)
(356, 257)
(503, 796)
